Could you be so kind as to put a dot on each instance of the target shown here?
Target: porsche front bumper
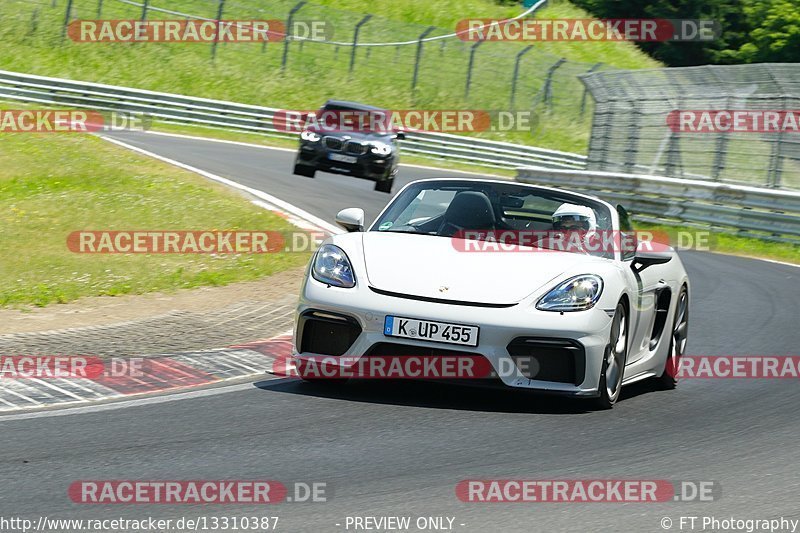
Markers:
(505, 334)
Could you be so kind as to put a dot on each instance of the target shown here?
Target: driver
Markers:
(570, 217)
(576, 223)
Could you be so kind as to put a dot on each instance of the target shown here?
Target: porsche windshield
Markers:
(484, 210)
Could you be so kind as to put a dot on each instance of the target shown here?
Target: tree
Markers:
(751, 30)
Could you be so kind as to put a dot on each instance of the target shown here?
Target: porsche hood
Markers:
(427, 266)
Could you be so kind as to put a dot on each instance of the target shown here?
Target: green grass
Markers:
(51, 185)
(725, 243)
(244, 73)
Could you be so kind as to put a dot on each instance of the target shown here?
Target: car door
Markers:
(648, 285)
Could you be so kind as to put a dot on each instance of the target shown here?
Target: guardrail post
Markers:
(674, 165)
(472, 50)
(419, 55)
(548, 83)
(67, 16)
(632, 148)
(776, 157)
(289, 22)
(145, 7)
(515, 76)
(34, 21)
(719, 156)
(355, 41)
(583, 98)
(220, 9)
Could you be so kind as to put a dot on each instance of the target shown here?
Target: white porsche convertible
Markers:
(503, 271)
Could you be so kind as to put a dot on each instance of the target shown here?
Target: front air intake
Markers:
(325, 333)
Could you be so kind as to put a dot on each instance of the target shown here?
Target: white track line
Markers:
(279, 204)
(232, 360)
(59, 389)
(15, 406)
(17, 394)
(131, 403)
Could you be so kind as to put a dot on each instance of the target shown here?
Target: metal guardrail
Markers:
(763, 213)
(768, 214)
(179, 109)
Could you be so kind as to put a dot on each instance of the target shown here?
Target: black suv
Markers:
(331, 142)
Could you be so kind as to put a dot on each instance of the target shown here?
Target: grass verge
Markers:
(726, 243)
(51, 185)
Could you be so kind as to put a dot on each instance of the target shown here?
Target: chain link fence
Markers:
(637, 128)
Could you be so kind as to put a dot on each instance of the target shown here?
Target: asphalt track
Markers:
(399, 450)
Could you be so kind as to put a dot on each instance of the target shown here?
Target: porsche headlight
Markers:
(310, 136)
(381, 148)
(575, 294)
(331, 266)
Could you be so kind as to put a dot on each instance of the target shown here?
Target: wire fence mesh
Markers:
(637, 124)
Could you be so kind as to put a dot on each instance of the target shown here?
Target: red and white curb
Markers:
(166, 373)
(176, 372)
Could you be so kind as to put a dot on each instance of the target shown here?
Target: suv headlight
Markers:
(575, 294)
(310, 136)
(381, 148)
(331, 266)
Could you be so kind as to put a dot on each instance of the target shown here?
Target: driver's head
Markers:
(570, 217)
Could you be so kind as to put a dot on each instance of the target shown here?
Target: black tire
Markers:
(616, 355)
(677, 342)
(304, 170)
(384, 185)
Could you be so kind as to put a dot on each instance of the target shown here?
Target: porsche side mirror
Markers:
(351, 219)
(644, 259)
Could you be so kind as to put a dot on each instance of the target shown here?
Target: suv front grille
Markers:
(333, 143)
(355, 148)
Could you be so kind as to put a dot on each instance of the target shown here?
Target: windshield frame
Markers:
(413, 189)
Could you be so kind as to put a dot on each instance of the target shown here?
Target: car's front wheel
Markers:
(304, 170)
(616, 354)
(677, 342)
(384, 185)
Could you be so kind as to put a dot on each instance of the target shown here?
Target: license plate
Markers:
(428, 330)
(343, 158)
